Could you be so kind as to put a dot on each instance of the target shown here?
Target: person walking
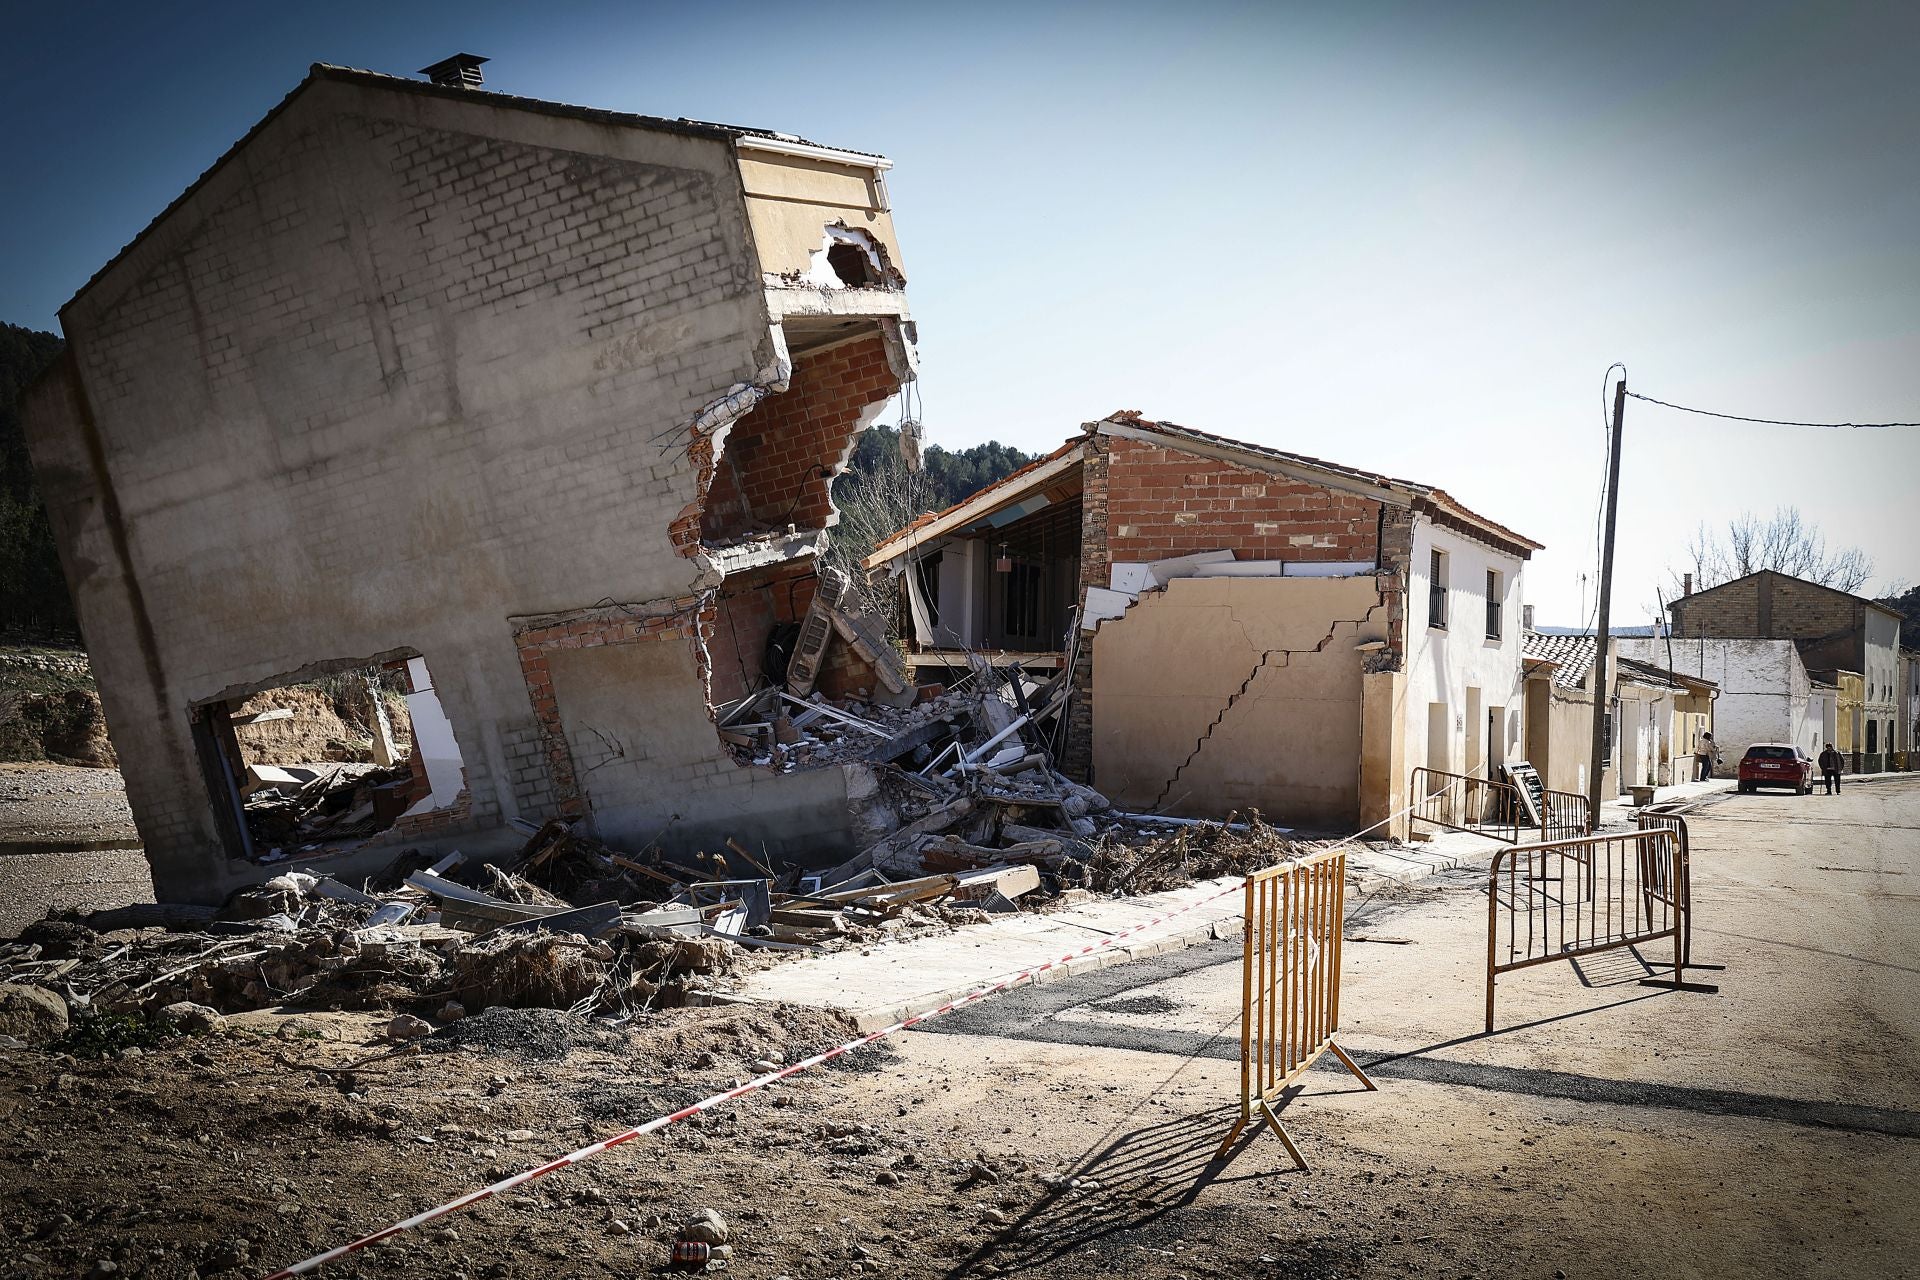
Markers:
(1830, 769)
(1705, 757)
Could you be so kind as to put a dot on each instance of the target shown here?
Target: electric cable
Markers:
(1772, 422)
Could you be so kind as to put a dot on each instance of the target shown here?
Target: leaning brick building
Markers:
(535, 403)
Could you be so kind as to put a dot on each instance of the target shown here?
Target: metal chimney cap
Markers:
(461, 71)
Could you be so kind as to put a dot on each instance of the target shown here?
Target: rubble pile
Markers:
(975, 821)
(300, 807)
(1202, 851)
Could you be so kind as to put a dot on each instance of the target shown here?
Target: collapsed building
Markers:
(1242, 627)
(529, 410)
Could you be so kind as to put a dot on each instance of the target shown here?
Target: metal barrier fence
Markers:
(1459, 802)
(1570, 898)
(1289, 984)
(1563, 815)
(1500, 810)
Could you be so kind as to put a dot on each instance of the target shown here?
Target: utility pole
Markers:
(1602, 704)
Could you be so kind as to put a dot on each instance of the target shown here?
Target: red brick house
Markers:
(1245, 627)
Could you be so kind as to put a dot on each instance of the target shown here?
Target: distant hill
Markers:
(946, 476)
(33, 594)
(1907, 604)
(878, 494)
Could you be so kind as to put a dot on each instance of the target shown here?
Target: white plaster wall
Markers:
(1442, 665)
(1765, 695)
(1882, 663)
(959, 574)
(1907, 735)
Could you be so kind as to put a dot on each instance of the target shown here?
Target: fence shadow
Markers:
(1611, 968)
(1124, 1185)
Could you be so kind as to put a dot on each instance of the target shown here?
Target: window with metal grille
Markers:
(1437, 591)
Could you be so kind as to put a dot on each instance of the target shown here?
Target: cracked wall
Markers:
(1218, 694)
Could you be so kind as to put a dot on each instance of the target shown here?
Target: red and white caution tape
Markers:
(739, 1091)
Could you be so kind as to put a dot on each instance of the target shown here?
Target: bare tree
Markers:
(1785, 542)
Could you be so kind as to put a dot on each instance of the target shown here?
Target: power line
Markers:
(1774, 422)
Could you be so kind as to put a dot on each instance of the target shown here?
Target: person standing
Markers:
(1830, 769)
(1705, 757)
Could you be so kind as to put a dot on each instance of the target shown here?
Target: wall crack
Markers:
(1233, 699)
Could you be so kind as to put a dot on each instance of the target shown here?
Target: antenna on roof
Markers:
(461, 71)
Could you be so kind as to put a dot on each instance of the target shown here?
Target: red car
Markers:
(1776, 764)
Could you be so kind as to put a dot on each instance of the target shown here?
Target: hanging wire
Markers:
(1772, 422)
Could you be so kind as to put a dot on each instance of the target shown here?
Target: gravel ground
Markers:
(52, 807)
(66, 840)
(32, 884)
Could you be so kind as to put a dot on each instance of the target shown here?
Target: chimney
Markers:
(1526, 617)
(461, 71)
(1686, 584)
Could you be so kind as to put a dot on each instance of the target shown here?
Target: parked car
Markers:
(1776, 764)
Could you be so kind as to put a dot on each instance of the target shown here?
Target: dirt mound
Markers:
(528, 971)
(330, 721)
(66, 727)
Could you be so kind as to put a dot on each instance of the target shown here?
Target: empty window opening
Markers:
(346, 753)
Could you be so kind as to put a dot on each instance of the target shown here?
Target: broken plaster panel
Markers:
(1227, 693)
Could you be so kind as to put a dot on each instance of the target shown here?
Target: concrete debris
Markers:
(973, 820)
(295, 808)
(33, 1014)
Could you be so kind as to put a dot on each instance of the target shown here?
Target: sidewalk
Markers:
(884, 983)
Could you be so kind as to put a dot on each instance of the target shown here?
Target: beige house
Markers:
(1655, 717)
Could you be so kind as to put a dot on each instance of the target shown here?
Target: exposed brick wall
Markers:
(1163, 503)
(743, 616)
(434, 822)
(1096, 567)
(1396, 559)
(772, 468)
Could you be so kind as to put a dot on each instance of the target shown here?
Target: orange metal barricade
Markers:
(1290, 985)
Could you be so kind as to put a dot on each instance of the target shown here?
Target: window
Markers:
(1873, 736)
(1437, 591)
(1493, 604)
(1022, 587)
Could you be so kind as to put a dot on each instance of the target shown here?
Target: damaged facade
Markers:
(534, 407)
(1255, 628)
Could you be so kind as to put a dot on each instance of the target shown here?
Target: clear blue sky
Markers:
(1408, 237)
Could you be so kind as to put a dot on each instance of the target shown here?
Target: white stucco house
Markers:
(1765, 693)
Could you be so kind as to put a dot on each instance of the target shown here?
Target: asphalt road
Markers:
(1605, 1128)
